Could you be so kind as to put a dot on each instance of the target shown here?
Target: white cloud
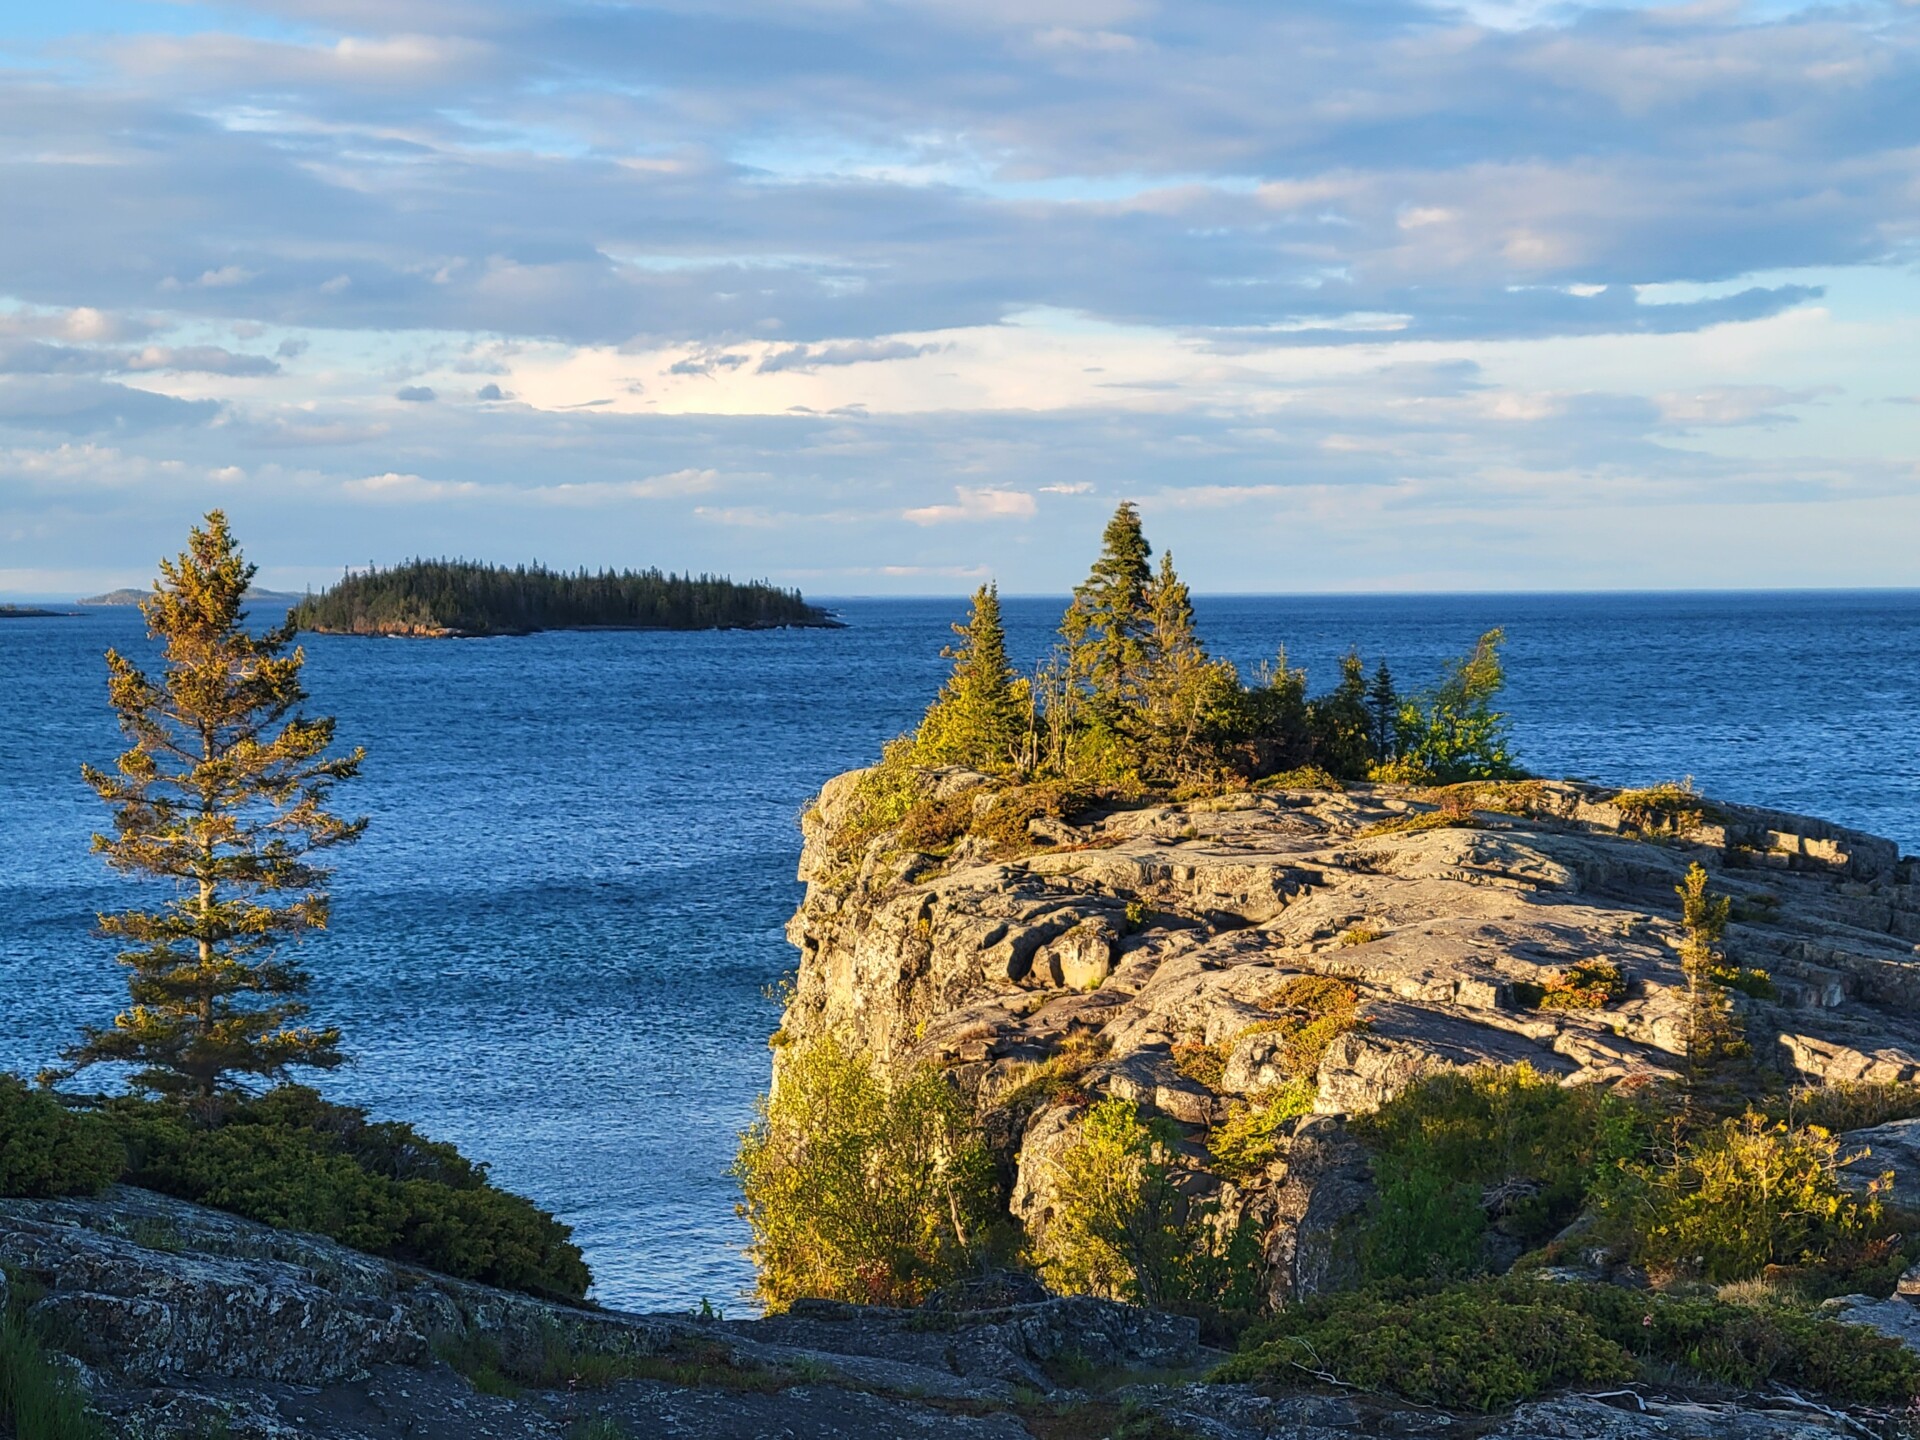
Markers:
(406, 488)
(976, 504)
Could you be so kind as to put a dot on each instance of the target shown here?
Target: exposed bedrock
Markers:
(1130, 932)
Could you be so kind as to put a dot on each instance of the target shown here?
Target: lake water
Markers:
(553, 945)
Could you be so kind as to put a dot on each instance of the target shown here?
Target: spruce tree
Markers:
(1182, 690)
(1383, 712)
(1711, 1037)
(223, 796)
(980, 719)
(1105, 627)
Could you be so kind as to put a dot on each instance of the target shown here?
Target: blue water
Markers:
(553, 945)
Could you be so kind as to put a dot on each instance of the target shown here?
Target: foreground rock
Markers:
(1123, 937)
(186, 1324)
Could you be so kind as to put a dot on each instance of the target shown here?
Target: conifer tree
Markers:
(1342, 724)
(1182, 690)
(1383, 712)
(981, 717)
(1105, 627)
(223, 796)
(1711, 1037)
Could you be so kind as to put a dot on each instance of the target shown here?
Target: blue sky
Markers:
(876, 296)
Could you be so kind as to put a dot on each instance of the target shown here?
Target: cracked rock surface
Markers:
(1129, 932)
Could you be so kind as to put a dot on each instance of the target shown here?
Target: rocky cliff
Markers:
(1163, 950)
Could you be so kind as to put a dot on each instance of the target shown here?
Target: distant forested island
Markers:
(30, 612)
(463, 597)
(133, 596)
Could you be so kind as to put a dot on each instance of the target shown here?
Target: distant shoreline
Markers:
(130, 596)
(34, 612)
(424, 632)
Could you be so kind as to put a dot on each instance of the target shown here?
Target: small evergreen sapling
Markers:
(1711, 1036)
(222, 795)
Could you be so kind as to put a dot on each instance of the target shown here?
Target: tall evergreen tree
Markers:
(1105, 627)
(1182, 691)
(980, 718)
(223, 796)
(1383, 716)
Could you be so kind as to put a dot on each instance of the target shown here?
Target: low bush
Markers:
(1121, 1228)
(1418, 821)
(1589, 985)
(1489, 1344)
(296, 1161)
(1304, 777)
(859, 1190)
(1248, 1140)
(1003, 824)
(1490, 1147)
(1848, 1104)
(1748, 1194)
(552, 1362)
(1669, 808)
(47, 1149)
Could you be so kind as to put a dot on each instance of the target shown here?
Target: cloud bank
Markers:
(907, 288)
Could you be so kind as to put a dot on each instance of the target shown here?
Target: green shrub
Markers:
(1669, 808)
(38, 1399)
(1849, 1104)
(1476, 1347)
(1122, 1229)
(1488, 1344)
(856, 1190)
(1245, 1142)
(1451, 732)
(1744, 1195)
(1500, 1146)
(1304, 777)
(1203, 1064)
(298, 1162)
(47, 1149)
(1003, 825)
(1588, 985)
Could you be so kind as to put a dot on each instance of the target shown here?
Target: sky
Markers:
(891, 296)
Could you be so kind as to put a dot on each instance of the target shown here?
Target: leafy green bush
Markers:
(1849, 1104)
(1451, 732)
(1479, 1347)
(1489, 1146)
(1122, 1229)
(856, 1190)
(1744, 1195)
(295, 1161)
(47, 1149)
(1488, 1344)
(1245, 1142)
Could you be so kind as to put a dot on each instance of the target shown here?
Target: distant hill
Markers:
(134, 597)
(31, 612)
(462, 597)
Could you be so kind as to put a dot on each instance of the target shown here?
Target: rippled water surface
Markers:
(553, 944)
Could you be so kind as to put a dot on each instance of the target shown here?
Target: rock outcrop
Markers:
(1124, 935)
(186, 1323)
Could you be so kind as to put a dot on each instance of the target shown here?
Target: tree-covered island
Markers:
(465, 597)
